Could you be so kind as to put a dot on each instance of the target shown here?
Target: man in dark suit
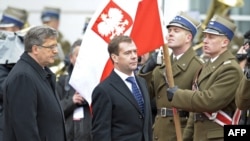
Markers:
(117, 115)
(32, 109)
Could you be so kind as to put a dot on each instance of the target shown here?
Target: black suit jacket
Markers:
(116, 114)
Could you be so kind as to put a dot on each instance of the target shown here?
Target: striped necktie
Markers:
(137, 93)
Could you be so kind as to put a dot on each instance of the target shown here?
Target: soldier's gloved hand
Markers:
(170, 92)
(151, 63)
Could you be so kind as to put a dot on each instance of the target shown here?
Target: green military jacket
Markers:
(217, 84)
(242, 98)
(183, 73)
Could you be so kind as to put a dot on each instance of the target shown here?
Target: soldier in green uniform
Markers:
(13, 19)
(242, 97)
(215, 85)
(11, 46)
(181, 31)
(51, 16)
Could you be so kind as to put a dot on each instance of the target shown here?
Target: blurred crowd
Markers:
(14, 25)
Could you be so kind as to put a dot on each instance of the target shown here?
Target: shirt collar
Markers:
(178, 56)
(122, 75)
(213, 59)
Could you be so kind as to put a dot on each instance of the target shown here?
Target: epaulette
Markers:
(227, 62)
(201, 59)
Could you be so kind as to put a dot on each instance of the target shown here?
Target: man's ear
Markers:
(35, 49)
(189, 37)
(225, 42)
(114, 58)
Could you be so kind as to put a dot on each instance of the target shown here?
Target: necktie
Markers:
(209, 62)
(175, 59)
(137, 93)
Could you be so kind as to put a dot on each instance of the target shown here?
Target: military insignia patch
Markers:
(227, 62)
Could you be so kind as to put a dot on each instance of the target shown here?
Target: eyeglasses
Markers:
(52, 47)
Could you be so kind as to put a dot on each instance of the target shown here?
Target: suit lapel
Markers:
(145, 95)
(122, 89)
(142, 88)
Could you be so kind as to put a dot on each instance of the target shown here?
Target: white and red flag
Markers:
(140, 19)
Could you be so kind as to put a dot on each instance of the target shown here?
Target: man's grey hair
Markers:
(37, 36)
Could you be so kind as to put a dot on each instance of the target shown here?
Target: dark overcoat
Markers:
(32, 110)
(76, 130)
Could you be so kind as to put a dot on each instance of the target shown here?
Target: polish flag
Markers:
(140, 19)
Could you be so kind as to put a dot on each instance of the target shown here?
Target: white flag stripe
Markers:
(93, 53)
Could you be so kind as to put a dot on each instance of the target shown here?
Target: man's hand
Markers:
(151, 63)
(77, 99)
(170, 92)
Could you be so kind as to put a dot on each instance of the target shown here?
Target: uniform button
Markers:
(158, 97)
(156, 137)
(140, 116)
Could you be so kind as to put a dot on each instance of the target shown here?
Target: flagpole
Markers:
(163, 6)
(170, 79)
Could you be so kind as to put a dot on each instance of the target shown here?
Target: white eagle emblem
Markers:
(112, 23)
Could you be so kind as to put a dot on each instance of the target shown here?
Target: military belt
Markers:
(167, 112)
(200, 117)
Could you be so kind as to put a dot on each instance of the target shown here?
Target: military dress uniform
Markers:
(51, 16)
(213, 95)
(242, 98)
(216, 83)
(183, 71)
(13, 19)
(11, 46)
